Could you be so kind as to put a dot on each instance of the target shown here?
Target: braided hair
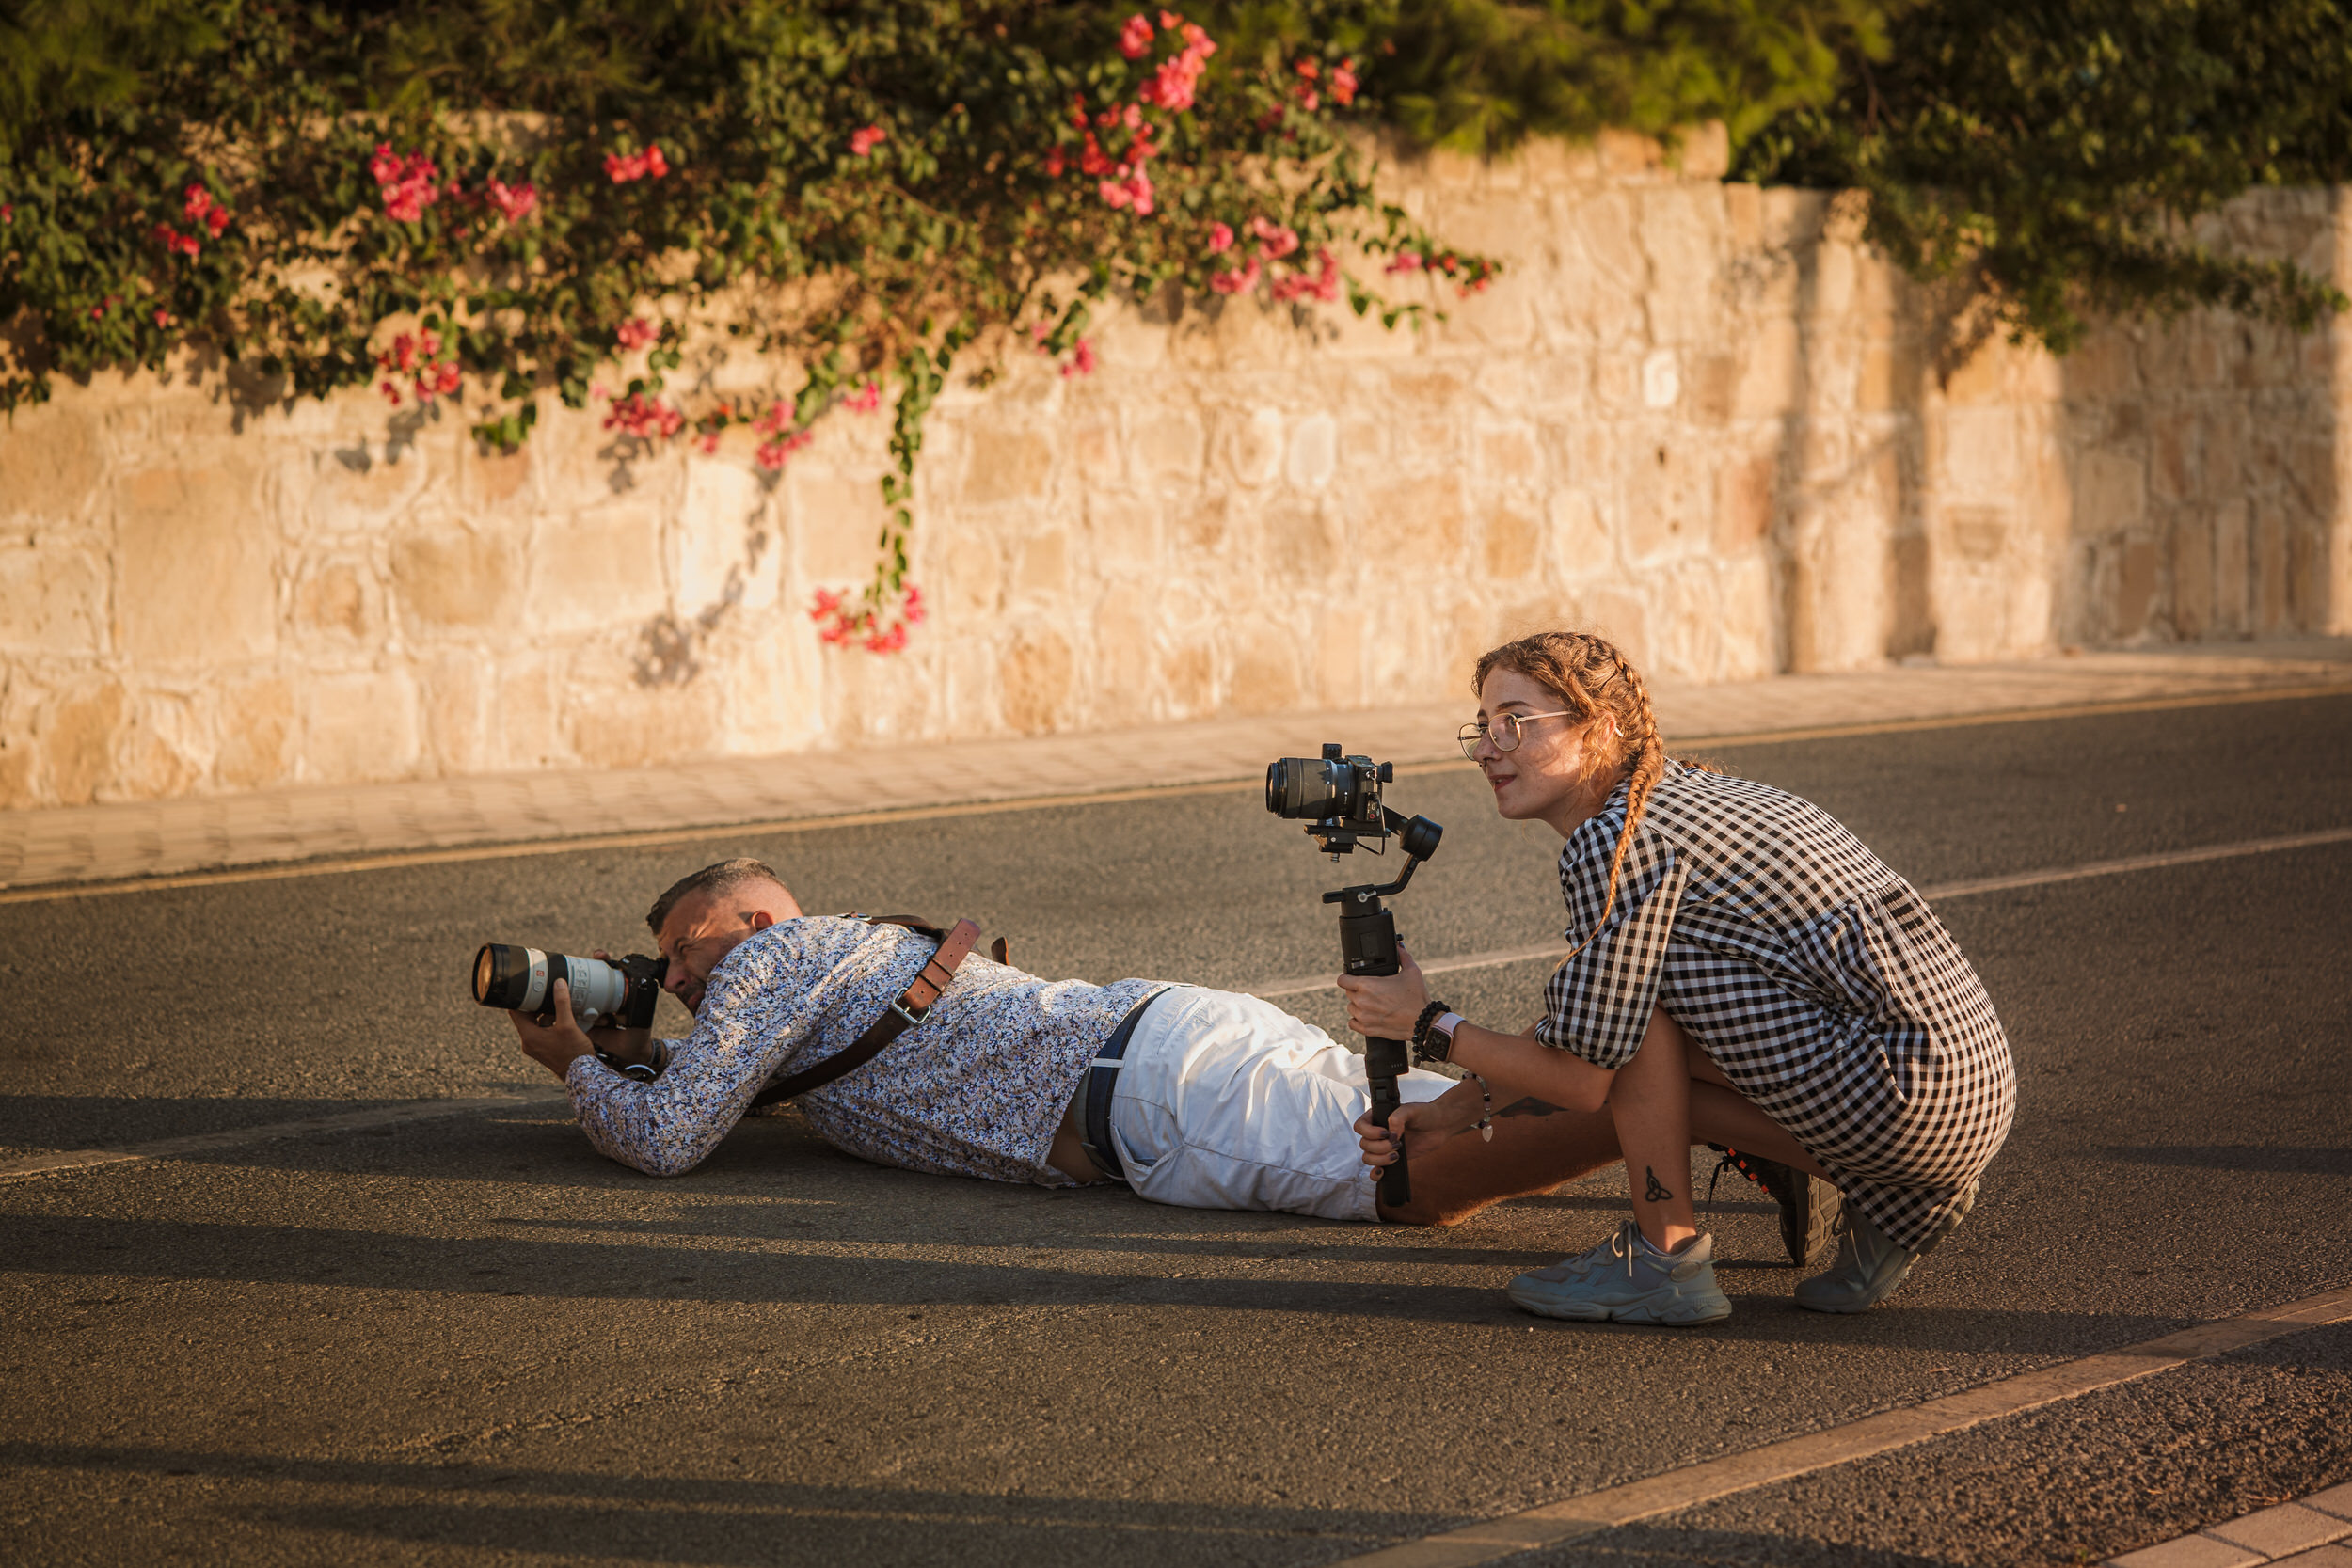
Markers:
(1594, 680)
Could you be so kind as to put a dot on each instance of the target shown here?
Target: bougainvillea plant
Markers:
(865, 192)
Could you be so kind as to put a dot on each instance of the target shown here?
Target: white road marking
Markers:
(1550, 1524)
(428, 1110)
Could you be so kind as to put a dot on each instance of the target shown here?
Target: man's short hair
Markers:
(714, 879)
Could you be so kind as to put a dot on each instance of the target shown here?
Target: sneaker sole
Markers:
(1677, 1313)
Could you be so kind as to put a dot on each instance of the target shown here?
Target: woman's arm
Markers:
(1388, 1007)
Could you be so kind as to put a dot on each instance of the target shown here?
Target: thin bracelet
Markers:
(1487, 1119)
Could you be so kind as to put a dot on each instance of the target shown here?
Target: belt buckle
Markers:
(899, 1006)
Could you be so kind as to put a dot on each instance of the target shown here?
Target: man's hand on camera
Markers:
(1386, 1007)
(558, 1044)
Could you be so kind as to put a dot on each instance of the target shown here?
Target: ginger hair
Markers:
(1594, 681)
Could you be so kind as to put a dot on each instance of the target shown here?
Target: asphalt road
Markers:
(472, 1339)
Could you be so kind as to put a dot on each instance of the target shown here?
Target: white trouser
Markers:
(1226, 1102)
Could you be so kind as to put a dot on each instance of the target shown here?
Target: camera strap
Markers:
(912, 1007)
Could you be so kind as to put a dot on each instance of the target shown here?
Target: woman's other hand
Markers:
(1422, 1126)
(1386, 1007)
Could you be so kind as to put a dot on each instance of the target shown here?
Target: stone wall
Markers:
(1697, 416)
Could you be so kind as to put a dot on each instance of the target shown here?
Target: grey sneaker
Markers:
(1808, 1205)
(1868, 1266)
(1622, 1278)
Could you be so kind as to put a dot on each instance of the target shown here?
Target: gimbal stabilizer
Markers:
(1341, 794)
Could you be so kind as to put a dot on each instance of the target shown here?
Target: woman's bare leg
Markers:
(1649, 1102)
(1721, 1115)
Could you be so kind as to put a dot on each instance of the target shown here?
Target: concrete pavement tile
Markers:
(2277, 1531)
(2318, 1557)
(2336, 1500)
(2190, 1551)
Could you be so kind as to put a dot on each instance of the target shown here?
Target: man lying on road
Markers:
(1194, 1097)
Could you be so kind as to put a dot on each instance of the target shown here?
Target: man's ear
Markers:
(760, 920)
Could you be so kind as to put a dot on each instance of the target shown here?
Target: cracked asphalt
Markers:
(472, 1341)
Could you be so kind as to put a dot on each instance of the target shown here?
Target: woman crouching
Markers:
(1742, 969)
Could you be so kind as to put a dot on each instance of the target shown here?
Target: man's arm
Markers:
(558, 1044)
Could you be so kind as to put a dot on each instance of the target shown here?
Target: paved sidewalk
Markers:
(2308, 1534)
(85, 844)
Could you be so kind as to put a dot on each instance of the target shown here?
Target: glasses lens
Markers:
(1507, 733)
(1470, 736)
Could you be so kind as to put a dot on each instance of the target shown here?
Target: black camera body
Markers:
(1339, 797)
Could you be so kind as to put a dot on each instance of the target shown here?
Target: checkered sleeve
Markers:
(1597, 1002)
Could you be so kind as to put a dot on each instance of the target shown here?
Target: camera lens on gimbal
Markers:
(1309, 788)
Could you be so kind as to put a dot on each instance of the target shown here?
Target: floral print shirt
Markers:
(976, 1089)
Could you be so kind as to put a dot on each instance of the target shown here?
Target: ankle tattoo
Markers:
(1656, 1191)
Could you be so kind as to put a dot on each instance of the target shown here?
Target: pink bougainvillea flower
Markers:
(827, 600)
(645, 417)
(1134, 40)
(1406, 261)
(1081, 360)
(1093, 160)
(771, 454)
(1239, 281)
(864, 142)
(391, 393)
(175, 242)
(625, 166)
(514, 202)
(709, 443)
(165, 318)
(198, 206)
(406, 184)
(1277, 241)
(1170, 21)
(888, 641)
(8, 212)
(1171, 87)
(864, 399)
(1323, 285)
(636, 332)
(1220, 238)
(1139, 191)
(914, 610)
(1343, 83)
(1054, 164)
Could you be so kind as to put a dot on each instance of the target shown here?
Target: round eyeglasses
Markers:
(1506, 729)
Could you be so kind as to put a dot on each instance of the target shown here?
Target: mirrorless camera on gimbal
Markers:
(1338, 797)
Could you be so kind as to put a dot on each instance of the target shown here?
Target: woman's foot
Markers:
(1809, 1206)
(1868, 1266)
(1627, 1279)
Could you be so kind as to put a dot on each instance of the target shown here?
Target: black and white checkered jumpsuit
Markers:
(1816, 979)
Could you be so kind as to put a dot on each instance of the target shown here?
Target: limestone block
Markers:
(359, 727)
(257, 730)
(1041, 565)
(529, 690)
(1580, 542)
(362, 487)
(1976, 533)
(1744, 503)
(1007, 464)
(1266, 669)
(1313, 451)
(1036, 675)
(1509, 453)
(1338, 661)
(78, 738)
(494, 479)
(2135, 590)
(1123, 533)
(52, 462)
(1890, 375)
(2111, 492)
(833, 522)
(194, 581)
(2231, 553)
(2191, 545)
(1250, 444)
(1168, 443)
(722, 549)
(1980, 451)
(1669, 491)
(340, 598)
(1122, 655)
(1512, 543)
(617, 712)
(770, 694)
(1771, 370)
(1304, 544)
(53, 594)
(1421, 520)
(1679, 236)
(453, 578)
(1188, 678)
(160, 753)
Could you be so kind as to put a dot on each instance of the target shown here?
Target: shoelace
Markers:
(1732, 1160)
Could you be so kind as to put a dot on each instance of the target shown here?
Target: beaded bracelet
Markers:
(1486, 1117)
(1422, 1052)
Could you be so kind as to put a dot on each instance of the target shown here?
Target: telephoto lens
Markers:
(522, 979)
